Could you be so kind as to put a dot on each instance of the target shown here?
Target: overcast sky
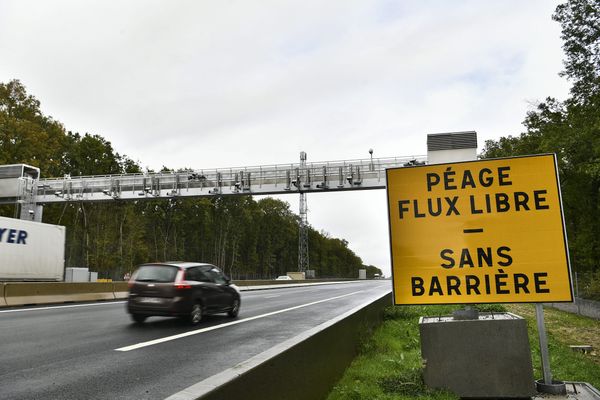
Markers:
(204, 84)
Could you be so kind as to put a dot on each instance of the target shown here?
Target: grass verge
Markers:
(389, 364)
(564, 329)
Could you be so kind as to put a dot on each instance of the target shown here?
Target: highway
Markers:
(94, 351)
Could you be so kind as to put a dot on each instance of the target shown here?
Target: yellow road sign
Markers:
(489, 231)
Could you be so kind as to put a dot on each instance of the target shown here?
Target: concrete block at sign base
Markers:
(487, 357)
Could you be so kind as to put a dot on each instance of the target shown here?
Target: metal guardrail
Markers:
(269, 179)
(585, 307)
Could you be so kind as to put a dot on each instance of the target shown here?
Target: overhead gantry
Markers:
(263, 180)
(21, 184)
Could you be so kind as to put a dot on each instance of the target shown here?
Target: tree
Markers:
(26, 135)
(580, 21)
(571, 129)
(90, 155)
(372, 271)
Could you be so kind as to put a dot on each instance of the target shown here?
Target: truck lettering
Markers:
(14, 236)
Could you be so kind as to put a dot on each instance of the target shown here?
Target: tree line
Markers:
(571, 130)
(245, 237)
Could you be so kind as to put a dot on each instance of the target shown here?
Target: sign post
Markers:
(539, 314)
(488, 231)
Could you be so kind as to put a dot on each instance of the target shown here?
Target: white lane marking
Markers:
(212, 328)
(55, 307)
(291, 286)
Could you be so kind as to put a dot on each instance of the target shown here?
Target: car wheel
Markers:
(138, 318)
(196, 314)
(235, 308)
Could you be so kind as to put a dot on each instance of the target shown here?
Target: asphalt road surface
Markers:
(94, 351)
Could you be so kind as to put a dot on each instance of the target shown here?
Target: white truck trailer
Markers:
(31, 251)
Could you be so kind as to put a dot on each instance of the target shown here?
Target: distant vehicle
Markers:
(181, 289)
(284, 278)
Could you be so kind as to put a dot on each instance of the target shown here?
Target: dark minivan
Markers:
(182, 289)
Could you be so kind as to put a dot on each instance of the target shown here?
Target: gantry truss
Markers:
(260, 180)
(20, 184)
(303, 257)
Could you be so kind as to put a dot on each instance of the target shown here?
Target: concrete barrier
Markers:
(2, 300)
(305, 367)
(22, 293)
(121, 290)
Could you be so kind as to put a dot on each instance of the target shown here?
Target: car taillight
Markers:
(182, 286)
(180, 283)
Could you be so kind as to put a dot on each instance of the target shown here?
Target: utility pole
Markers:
(303, 261)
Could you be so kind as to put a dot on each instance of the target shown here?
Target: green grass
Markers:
(389, 365)
(564, 329)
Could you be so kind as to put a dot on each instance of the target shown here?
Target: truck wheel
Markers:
(138, 318)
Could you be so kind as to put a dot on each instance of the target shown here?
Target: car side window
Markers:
(215, 275)
(203, 276)
(191, 274)
(195, 274)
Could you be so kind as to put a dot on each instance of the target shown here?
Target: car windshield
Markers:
(156, 273)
